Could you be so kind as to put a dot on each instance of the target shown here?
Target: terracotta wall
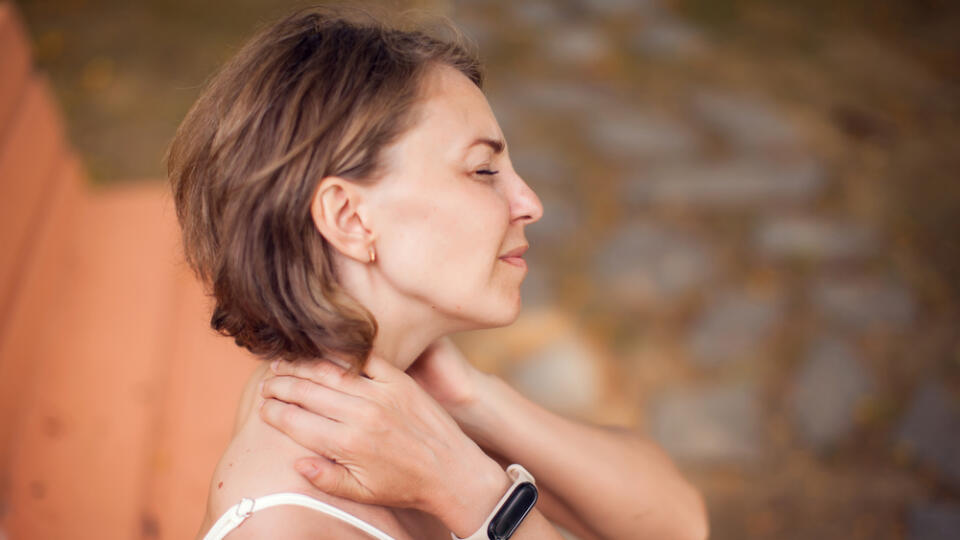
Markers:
(115, 397)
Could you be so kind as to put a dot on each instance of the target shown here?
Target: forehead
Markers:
(454, 109)
(450, 116)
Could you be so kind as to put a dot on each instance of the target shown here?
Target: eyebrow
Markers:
(496, 144)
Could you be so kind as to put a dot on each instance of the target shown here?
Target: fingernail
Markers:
(274, 364)
(306, 468)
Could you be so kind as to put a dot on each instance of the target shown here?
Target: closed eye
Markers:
(487, 172)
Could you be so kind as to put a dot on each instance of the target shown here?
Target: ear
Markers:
(338, 212)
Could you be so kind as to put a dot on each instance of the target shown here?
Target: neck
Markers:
(406, 327)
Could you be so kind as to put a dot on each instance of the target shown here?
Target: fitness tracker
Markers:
(509, 512)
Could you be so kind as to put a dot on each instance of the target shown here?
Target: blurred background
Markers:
(749, 253)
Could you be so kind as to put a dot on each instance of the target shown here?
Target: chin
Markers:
(493, 320)
(509, 315)
(504, 312)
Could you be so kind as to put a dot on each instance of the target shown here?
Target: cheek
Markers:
(445, 244)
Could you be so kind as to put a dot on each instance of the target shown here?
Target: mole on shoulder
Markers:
(220, 485)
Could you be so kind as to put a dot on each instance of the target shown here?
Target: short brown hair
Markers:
(318, 93)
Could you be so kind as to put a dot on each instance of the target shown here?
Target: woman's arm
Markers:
(383, 440)
(551, 506)
(465, 506)
(618, 484)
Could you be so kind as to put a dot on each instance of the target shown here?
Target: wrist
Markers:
(465, 509)
(480, 416)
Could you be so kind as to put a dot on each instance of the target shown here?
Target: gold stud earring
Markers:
(373, 254)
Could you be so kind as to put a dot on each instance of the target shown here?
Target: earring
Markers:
(373, 254)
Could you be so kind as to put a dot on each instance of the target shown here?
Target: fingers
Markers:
(318, 433)
(330, 477)
(313, 397)
(331, 374)
(322, 372)
(379, 369)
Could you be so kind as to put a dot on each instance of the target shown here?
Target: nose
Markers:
(524, 203)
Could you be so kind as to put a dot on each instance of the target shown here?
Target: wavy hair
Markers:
(320, 92)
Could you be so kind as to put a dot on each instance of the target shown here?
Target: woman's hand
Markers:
(446, 374)
(382, 439)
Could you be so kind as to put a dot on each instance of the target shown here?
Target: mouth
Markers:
(516, 253)
(514, 256)
(516, 261)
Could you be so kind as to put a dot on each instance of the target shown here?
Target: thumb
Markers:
(379, 369)
(327, 476)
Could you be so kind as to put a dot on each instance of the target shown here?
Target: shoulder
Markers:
(258, 462)
(295, 523)
(256, 472)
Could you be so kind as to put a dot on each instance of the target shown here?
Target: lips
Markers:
(518, 252)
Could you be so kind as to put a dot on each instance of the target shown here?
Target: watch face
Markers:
(514, 509)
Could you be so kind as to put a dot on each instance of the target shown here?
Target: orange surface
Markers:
(132, 397)
(30, 152)
(116, 399)
(15, 64)
(41, 287)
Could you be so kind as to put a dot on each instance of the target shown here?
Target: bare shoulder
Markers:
(295, 523)
(259, 461)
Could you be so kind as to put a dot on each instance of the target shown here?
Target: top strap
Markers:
(236, 514)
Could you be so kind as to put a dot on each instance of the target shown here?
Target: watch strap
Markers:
(511, 509)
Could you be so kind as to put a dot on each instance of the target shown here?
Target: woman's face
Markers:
(451, 206)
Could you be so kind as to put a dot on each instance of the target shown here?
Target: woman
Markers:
(345, 191)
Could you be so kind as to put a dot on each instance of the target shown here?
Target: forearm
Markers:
(533, 527)
(464, 509)
(618, 484)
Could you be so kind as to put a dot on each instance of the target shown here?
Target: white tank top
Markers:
(236, 514)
